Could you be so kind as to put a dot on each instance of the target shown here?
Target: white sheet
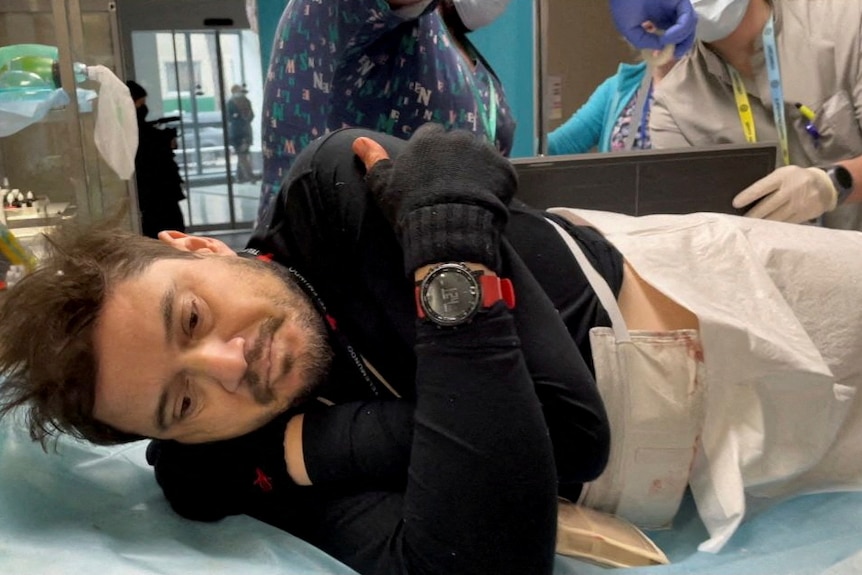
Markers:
(89, 509)
(781, 326)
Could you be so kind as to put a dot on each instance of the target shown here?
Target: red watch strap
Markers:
(418, 294)
(494, 289)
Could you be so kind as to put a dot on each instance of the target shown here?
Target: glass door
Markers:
(193, 78)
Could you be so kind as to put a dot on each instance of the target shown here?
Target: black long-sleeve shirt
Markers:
(481, 400)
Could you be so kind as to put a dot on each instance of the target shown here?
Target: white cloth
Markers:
(781, 329)
(653, 389)
(116, 131)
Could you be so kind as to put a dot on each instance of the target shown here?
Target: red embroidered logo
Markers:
(262, 481)
(332, 324)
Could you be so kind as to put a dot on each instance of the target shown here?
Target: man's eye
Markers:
(186, 407)
(194, 318)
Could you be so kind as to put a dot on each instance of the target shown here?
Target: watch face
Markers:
(843, 177)
(450, 295)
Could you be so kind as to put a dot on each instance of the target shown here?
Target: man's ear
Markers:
(195, 244)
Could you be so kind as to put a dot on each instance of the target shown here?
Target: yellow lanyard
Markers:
(743, 107)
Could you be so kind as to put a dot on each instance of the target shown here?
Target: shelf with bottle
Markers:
(25, 209)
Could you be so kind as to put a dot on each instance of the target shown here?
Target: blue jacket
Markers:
(593, 123)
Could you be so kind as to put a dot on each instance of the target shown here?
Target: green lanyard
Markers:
(488, 114)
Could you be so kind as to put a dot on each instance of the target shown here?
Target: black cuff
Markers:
(208, 481)
(450, 232)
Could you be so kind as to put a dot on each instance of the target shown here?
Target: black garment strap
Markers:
(336, 335)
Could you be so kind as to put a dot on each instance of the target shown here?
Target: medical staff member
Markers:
(786, 71)
(394, 65)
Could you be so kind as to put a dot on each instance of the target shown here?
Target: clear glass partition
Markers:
(188, 75)
(56, 159)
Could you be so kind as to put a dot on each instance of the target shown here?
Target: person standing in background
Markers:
(616, 116)
(394, 65)
(160, 186)
(240, 132)
(750, 54)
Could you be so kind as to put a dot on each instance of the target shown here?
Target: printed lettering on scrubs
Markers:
(337, 64)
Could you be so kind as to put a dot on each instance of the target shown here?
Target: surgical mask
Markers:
(717, 19)
(478, 13)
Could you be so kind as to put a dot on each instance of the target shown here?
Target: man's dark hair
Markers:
(47, 358)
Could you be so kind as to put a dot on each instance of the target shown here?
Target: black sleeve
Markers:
(209, 481)
(363, 443)
(481, 487)
(565, 386)
(368, 442)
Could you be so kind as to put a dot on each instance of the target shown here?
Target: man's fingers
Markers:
(369, 151)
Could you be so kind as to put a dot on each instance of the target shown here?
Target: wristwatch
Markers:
(451, 294)
(842, 180)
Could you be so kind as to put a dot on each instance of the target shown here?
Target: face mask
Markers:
(717, 19)
(477, 13)
(142, 112)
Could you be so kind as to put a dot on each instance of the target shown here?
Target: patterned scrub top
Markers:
(338, 63)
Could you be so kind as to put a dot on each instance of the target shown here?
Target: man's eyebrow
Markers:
(161, 416)
(168, 312)
(167, 307)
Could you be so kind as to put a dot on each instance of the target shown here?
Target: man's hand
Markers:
(446, 195)
(369, 151)
(789, 194)
(676, 17)
(378, 169)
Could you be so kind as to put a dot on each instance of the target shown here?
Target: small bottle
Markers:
(10, 199)
(29, 199)
(17, 198)
(4, 189)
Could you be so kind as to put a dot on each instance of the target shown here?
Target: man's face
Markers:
(204, 349)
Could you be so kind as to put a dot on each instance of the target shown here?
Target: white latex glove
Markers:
(789, 194)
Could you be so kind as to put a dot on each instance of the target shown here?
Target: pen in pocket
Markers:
(809, 116)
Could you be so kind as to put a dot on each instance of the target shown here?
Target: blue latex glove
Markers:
(676, 17)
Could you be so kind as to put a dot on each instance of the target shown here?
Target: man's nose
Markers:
(223, 361)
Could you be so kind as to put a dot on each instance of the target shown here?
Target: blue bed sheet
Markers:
(88, 509)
